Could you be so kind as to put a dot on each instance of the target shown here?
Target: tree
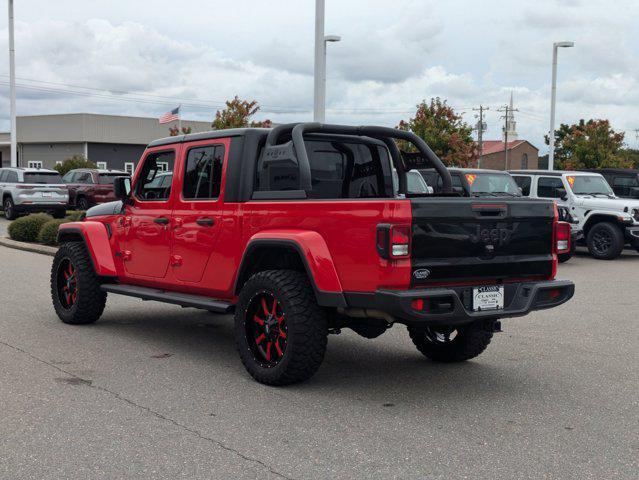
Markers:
(589, 144)
(76, 161)
(631, 155)
(444, 131)
(237, 115)
(175, 131)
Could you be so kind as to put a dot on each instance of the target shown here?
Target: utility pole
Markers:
(637, 136)
(480, 132)
(12, 88)
(321, 40)
(507, 110)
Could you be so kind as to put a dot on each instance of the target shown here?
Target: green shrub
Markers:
(26, 229)
(74, 216)
(49, 232)
(76, 161)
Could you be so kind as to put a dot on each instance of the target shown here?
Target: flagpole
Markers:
(180, 120)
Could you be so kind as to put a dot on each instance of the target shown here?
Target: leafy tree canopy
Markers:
(589, 144)
(237, 114)
(444, 131)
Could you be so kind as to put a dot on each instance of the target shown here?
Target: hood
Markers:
(110, 208)
(611, 204)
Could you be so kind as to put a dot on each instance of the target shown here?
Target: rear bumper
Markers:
(40, 207)
(447, 306)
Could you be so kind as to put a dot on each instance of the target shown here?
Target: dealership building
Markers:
(110, 141)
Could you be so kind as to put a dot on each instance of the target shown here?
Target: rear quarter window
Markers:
(523, 183)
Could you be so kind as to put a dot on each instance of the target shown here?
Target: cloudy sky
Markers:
(144, 57)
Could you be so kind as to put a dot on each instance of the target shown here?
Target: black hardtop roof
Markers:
(613, 170)
(260, 132)
(550, 173)
(211, 134)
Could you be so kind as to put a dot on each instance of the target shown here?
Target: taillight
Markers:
(393, 241)
(562, 237)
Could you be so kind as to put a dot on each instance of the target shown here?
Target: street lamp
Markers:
(553, 98)
(319, 101)
(12, 89)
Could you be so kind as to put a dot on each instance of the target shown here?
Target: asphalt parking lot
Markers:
(155, 391)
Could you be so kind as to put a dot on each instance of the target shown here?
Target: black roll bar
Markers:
(385, 134)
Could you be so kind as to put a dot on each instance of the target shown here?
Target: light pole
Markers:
(319, 97)
(553, 98)
(12, 88)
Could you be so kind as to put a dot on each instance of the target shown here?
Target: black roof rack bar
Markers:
(380, 133)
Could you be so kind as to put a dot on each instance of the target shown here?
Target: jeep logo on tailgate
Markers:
(493, 236)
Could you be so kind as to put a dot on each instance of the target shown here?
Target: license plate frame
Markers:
(488, 297)
(47, 194)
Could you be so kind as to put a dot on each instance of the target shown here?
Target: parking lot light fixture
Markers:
(553, 98)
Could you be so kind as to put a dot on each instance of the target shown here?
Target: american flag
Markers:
(171, 116)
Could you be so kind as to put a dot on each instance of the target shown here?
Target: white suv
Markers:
(608, 222)
(26, 190)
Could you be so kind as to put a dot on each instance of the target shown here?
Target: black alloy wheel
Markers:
(266, 329)
(67, 284)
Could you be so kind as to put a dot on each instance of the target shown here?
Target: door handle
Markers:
(161, 221)
(205, 222)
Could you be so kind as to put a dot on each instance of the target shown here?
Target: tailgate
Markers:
(466, 240)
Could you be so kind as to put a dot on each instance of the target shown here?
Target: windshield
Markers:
(589, 185)
(42, 177)
(108, 178)
(491, 184)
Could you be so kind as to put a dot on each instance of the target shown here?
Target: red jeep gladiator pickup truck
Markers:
(301, 231)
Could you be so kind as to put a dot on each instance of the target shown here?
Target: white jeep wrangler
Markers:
(608, 222)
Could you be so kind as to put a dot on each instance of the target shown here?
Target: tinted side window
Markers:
(547, 187)
(83, 177)
(3, 175)
(68, 177)
(524, 184)
(157, 166)
(626, 182)
(203, 174)
(338, 170)
(12, 177)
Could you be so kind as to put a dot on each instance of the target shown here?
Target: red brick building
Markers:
(522, 155)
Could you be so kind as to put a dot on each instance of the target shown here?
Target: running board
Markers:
(182, 299)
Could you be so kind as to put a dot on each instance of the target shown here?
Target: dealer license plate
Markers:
(488, 298)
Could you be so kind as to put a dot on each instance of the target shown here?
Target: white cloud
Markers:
(390, 58)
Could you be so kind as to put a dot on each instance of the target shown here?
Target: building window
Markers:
(524, 161)
(35, 164)
(58, 162)
(163, 166)
(129, 167)
(102, 165)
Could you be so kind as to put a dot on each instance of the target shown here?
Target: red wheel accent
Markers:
(67, 284)
(267, 332)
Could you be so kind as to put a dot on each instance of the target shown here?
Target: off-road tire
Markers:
(82, 204)
(307, 327)
(9, 209)
(471, 340)
(90, 300)
(615, 236)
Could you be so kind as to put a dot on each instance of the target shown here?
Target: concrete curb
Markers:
(28, 247)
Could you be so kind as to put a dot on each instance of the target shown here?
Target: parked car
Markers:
(28, 190)
(624, 182)
(88, 187)
(608, 222)
(475, 182)
(298, 230)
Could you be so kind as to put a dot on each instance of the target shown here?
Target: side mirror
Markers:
(122, 187)
(561, 193)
